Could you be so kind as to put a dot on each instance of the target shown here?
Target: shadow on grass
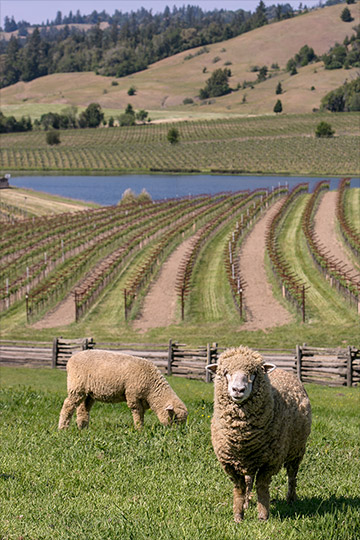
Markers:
(314, 506)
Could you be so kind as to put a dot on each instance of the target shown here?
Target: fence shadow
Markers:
(311, 506)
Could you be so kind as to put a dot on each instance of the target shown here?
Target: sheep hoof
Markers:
(238, 518)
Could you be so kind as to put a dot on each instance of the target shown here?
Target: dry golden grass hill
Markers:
(162, 88)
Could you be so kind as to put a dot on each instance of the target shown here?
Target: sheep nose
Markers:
(238, 389)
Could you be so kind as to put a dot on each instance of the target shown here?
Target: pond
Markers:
(108, 190)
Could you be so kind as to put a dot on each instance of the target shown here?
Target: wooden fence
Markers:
(328, 366)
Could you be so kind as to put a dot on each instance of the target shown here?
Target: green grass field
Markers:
(113, 482)
(279, 145)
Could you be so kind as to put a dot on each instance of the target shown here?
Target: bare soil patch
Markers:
(262, 309)
(325, 228)
(159, 307)
(62, 315)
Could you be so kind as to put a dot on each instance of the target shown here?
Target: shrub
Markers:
(188, 101)
(126, 119)
(346, 15)
(132, 91)
(128, 197)
(324, 130)
(114, 83)
(278, 88)
(144, 196)
(52, 137)
(173, 136)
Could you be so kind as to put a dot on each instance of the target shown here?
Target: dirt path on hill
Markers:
(160, 303)
(325, 222)
(262, 309)
(61, 315)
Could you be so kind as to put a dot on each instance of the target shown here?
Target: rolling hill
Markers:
(162, 88)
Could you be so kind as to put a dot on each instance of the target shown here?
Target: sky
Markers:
(38, 11)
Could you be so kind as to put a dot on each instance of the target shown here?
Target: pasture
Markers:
(162, 87)
(113, 482)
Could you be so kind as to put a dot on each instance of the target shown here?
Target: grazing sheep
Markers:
(96, 375)
(261, 422)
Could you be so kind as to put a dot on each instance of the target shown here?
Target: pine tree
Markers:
(278, 107)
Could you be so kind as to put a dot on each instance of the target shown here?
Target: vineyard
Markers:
(103, 262)
(275, 145)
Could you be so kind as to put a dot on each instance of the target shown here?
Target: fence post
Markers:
(298, 361)
(54, 352)
(349, 368)
(208, 361)
(211, 351)
(170, 358)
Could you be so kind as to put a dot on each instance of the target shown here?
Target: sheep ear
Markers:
(212, 367)
(170, 410)
(268, 367)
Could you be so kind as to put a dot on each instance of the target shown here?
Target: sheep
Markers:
(261, 421)
(96, 375)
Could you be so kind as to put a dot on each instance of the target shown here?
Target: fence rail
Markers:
(328, 366)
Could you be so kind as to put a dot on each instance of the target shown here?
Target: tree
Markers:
(346, 15)
(279, 89)
(52, 137)
(217, 85)
(173, 135)
(324, 130)
(278, 107)
(132, 91)
(92, 116)
(262, 74)
(259, 17)
(141, 115)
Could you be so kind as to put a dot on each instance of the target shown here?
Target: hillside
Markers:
(162, 88)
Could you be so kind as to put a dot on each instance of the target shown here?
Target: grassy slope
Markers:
(163, 86)
(57, 484)
(39, 204)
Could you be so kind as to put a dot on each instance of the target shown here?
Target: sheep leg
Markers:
(83, 412)
(239, 499)
(249, 480)
(292, 470)
(137, 411)
(263, 479)
(68, 408)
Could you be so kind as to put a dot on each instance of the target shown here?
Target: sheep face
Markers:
(237, 370)
(173, 414)
(239, 385)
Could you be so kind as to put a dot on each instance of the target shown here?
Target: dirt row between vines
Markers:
(325, 228)
(262, 309)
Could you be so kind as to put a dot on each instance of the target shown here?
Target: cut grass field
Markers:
(113, 482)
(260, 145)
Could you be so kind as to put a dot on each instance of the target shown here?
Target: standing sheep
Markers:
(95, 375)
(261, 422)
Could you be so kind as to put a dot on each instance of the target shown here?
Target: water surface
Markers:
(108, 190)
